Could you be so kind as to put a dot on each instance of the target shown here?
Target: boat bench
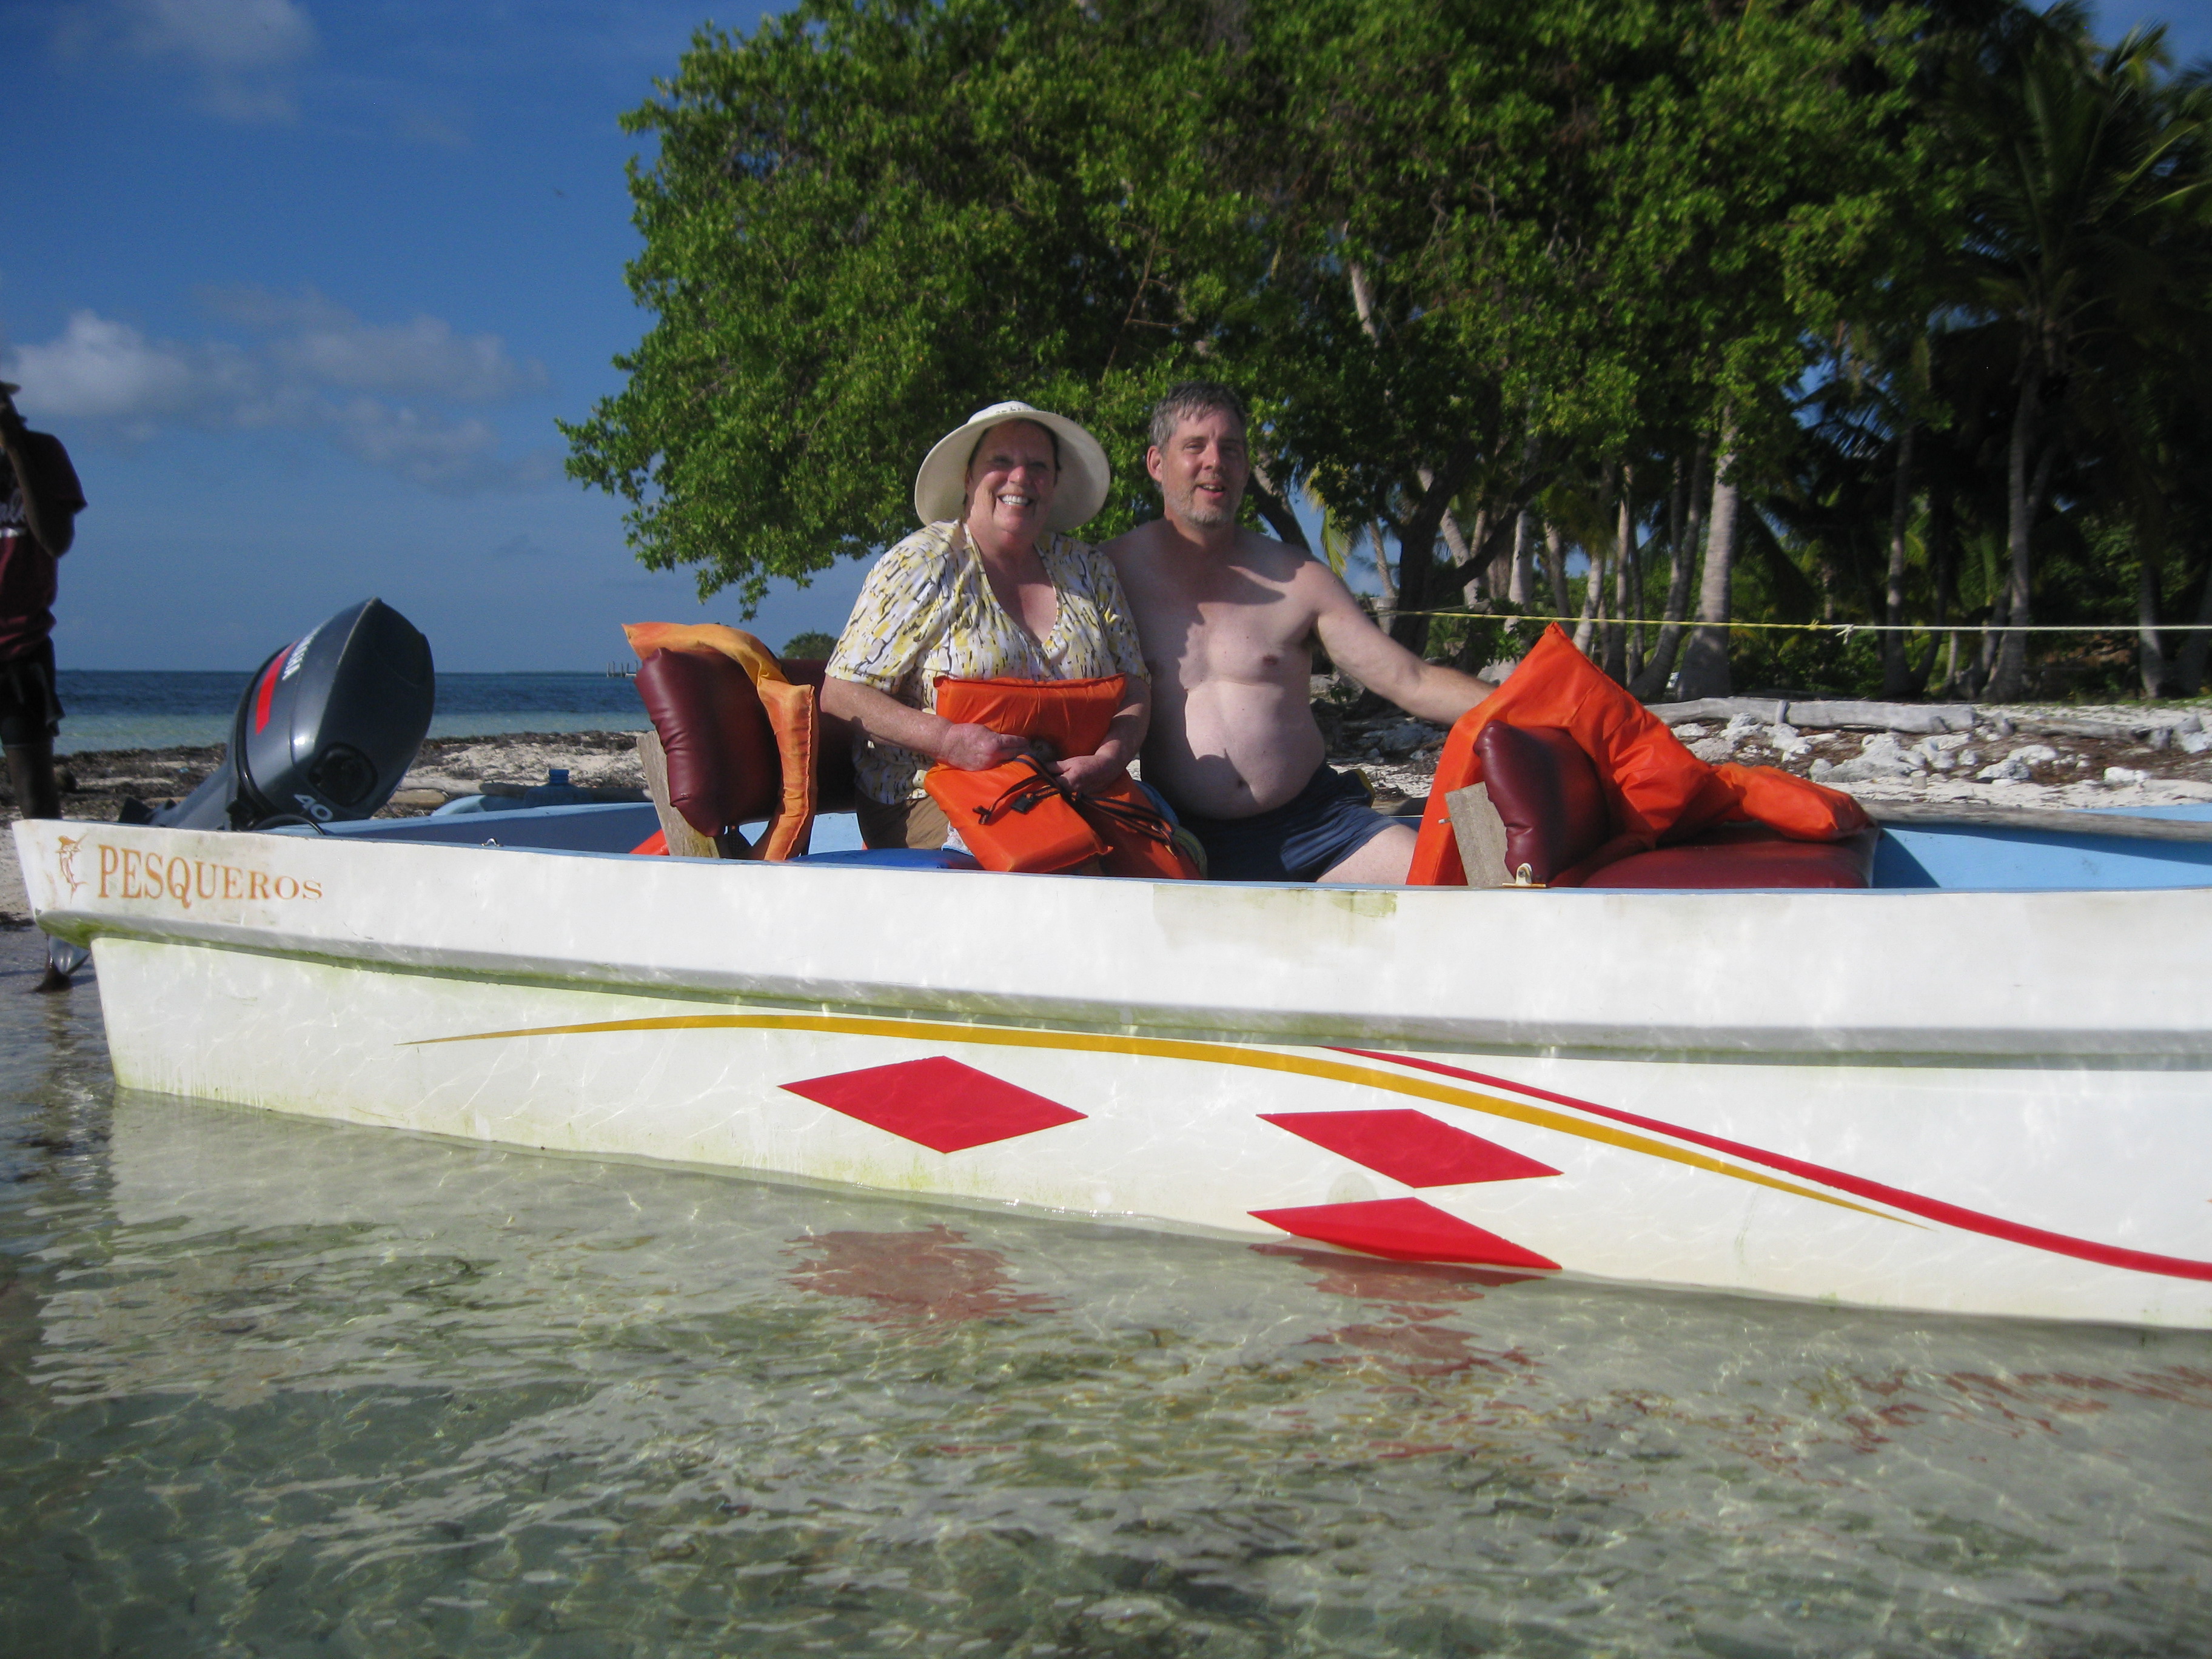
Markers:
(1541, 816)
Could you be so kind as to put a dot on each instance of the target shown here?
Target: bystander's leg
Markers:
(30, 774)
(38, 795)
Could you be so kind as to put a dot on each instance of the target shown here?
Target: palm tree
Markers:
(2091, 177)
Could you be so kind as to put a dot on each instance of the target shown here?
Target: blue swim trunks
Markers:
(1314, 831)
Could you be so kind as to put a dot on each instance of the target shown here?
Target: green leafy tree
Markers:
(812, 644)
(2078, 236)
(1862, 312)
(867, 220)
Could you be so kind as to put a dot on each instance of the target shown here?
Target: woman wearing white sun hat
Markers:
(991, 587)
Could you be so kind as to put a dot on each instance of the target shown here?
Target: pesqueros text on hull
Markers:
(126, 872)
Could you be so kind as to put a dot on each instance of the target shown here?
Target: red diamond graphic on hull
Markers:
(1403, 1230)
(939, 1103)
(1410, 1147)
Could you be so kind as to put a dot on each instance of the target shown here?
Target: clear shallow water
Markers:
(115, 708)
(273, 1387)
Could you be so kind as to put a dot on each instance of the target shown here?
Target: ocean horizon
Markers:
(110, 709)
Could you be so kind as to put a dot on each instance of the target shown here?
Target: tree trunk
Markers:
(1678, 486)
(1896, 669)
(1624, 645)
(1604, 559)
(1705, 664)
(2009, 679)
(1482, 583)
(1519, 591)
(1417, 541)
(1685, 521)
(1454, 538)
(1276, 510)
(1555, 567)
(1478, 575)
(2191, 672)
(1985, 662)
(1943, 574)
(1593, 584)
(2153, 651)
(1389, 605)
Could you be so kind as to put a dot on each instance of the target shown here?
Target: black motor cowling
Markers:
(325, 729)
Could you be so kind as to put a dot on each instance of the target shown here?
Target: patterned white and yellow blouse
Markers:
(927, 613)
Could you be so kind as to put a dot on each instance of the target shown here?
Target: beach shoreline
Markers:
(1396, 754)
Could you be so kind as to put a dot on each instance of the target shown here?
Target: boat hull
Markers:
(1606, 1084)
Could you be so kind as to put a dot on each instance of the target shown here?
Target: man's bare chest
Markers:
(1256, 643)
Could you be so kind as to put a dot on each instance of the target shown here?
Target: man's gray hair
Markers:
(1187, 401)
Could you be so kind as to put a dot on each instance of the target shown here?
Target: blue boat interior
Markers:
(1954, 857)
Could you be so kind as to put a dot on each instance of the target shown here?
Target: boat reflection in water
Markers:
(414, 1395)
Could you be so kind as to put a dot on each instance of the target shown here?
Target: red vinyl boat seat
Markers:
(726, 749)
(723, 769)
(1558, 824)
(706, 706)
(1548, 793)
(1746, 855)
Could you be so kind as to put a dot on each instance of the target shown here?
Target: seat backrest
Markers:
(835, 788)
(1548, 794)
(722, 765)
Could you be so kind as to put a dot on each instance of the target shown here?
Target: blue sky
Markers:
(304, 286)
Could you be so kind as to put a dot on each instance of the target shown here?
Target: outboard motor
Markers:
(326, 730)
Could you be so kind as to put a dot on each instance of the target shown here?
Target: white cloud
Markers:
(373, 391)
(104, 370)
(451, 458)
(315, 340)
(242, 50)
(221, 34)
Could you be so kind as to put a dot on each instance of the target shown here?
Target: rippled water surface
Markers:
(272, 1387)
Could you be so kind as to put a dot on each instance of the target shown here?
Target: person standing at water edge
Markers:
(1227, 617)
(39, 500)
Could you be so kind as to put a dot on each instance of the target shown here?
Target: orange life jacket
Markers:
(1658, 790)
(1020, 815)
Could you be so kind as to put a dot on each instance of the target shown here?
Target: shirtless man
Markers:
(1226, 617)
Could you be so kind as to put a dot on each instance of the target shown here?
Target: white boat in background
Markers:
(1980, 1088)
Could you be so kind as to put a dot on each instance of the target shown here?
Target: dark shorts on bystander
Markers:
(30, 708)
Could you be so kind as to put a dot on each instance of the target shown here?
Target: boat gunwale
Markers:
(2184, 1034)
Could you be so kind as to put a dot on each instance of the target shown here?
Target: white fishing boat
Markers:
(1978, 1086)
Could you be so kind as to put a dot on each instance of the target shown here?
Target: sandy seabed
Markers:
(1397, 755)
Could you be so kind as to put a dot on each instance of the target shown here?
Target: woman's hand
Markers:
(1089, 774)
(978, 748)
(970, 748)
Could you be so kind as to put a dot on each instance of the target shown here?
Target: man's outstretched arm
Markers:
(1378, 662)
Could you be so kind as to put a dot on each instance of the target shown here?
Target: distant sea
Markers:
(118, 708)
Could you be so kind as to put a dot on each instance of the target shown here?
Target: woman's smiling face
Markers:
(1011, 480)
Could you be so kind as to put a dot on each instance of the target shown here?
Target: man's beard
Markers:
(1192, 509)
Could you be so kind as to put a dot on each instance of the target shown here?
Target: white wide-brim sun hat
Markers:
(940, 488)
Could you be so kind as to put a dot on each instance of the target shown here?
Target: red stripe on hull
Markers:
(1934, 1209)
